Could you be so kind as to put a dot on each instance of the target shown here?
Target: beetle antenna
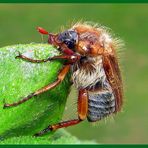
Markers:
(42, 31)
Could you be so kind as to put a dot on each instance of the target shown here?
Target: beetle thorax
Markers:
(87, 72)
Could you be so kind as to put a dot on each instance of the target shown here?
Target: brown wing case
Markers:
(113, 75)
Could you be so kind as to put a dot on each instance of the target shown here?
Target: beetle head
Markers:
(69, 38)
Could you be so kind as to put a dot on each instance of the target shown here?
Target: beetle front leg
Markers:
(60, 78)
(30, 59)
(70, 58)
(82, 113)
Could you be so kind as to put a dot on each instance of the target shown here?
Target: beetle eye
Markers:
(70, 44)
(68, 37)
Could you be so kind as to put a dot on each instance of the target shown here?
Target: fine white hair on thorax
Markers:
(83, 78)
(107, 37)
(105, 40)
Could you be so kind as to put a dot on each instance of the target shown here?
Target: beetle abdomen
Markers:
(100, 105)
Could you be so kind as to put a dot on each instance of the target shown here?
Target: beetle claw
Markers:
(48, 129)
(5, 105)
(18, 56)
(38, 134)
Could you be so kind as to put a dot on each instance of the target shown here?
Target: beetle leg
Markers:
(71, 58)
(30, 59)
(82, 113)
(60, 78)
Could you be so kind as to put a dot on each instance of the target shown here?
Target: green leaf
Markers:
(18, 78)
(60, 137)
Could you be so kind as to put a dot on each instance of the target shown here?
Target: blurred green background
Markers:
(128, 21)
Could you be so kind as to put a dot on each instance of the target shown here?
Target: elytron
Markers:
(90, 53)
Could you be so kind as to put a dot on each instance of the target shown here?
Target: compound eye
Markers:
(70, 44)
(69, 38)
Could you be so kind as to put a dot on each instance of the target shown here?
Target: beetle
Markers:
(90, 53)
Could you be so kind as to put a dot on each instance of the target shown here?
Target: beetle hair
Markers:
(107, 36)
(80, 74)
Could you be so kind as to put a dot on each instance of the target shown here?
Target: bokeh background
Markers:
(130, 23)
